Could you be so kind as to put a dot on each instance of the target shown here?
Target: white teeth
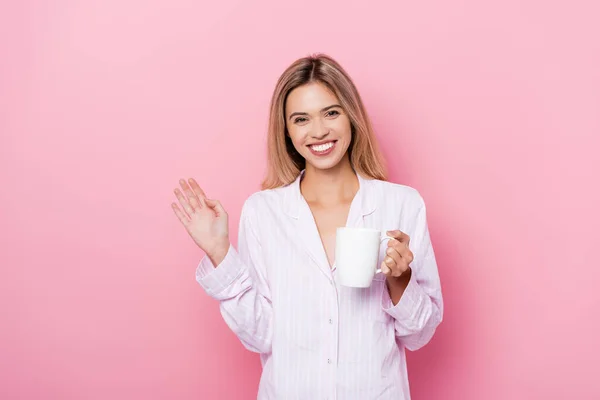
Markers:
(322, 147)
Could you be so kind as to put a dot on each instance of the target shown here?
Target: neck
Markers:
(331, 186)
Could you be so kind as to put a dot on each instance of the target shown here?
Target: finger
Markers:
(394, 255)
(182, 200)
(180, 214)
(216, 206)
(400, 261)
(390, 262)
(408, 256)
(385, 269)
(401, 247)
(198, 191)
(192, 197)
(399, 236)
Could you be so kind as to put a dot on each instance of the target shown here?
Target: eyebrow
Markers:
(322, 110)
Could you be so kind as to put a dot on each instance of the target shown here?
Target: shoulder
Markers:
(396, 193)
(265, 200)
(403, 205)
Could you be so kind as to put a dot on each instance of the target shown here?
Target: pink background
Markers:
(490, 109)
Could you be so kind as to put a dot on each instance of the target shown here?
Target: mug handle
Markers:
(383, 238)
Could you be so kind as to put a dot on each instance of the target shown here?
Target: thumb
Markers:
(216, 206)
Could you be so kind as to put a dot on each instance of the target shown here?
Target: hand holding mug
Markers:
(398, 255)
(205, 220)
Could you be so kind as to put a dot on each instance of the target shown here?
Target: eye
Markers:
(299, 120)
(332, 113)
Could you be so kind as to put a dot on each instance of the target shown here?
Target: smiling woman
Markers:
(280, 291)
(320, 131)
(315, 103)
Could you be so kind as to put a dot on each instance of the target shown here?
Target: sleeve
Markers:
(420, 309)
(240, 285)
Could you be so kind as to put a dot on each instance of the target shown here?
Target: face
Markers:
(318, 126)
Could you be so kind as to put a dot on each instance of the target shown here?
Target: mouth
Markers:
(322, 149)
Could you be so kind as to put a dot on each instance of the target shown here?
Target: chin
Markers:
(324, 164)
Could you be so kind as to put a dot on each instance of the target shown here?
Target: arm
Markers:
(239, 283)
(414, 299)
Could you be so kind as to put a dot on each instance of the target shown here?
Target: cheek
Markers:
(297, 136)
(344, 128)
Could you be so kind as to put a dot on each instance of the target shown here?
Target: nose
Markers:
(320, 129)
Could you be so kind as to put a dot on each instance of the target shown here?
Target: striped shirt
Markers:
(317, 339)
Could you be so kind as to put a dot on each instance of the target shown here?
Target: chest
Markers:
(327, 221)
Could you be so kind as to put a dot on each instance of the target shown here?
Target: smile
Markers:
(322, 149)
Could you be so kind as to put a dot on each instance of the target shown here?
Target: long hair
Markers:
(284, 162)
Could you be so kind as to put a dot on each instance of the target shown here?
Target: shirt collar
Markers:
(365, 196)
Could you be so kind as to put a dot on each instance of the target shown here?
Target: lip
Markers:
(322, 153)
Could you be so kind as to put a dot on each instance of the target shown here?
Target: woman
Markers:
(278, 291)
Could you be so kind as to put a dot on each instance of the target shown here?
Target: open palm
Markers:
(205, 220)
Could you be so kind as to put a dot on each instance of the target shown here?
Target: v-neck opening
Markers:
(351, 220)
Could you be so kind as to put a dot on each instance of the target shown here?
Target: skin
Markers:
(313, 116)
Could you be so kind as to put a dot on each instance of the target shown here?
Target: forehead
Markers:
(310, 98)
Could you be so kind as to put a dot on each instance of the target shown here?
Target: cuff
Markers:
(409, 303)
(216, 280)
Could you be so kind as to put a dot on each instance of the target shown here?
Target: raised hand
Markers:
(205, 220)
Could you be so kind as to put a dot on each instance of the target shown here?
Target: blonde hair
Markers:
(284, 162)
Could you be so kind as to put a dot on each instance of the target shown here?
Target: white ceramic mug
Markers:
(357, 255)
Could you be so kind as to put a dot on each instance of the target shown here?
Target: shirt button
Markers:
(329, 361)
(330, 321)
